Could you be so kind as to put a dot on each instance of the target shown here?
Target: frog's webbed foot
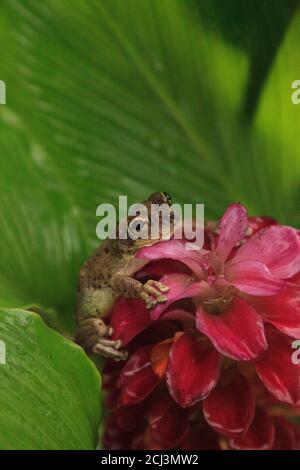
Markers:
(93, 335)
(153, 292)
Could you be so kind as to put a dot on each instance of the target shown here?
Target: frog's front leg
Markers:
(93, 334)
(152, 292)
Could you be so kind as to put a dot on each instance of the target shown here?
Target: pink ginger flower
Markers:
(217, 355)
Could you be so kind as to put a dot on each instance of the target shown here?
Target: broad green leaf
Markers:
(42, 242)
(258, 28)
(125, 100)
(276, 130)
(50, 391)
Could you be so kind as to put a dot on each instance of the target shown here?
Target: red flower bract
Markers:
(216, 356)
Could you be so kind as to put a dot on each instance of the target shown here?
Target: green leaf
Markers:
(42, 241)
(50, 391)
(276, 130)
(124, 100)
(259, 31)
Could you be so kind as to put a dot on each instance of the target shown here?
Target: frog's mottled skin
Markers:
(105, 276)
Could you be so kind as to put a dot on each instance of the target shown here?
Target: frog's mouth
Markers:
(142, 243)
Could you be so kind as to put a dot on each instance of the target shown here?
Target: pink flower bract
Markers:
(216, 356)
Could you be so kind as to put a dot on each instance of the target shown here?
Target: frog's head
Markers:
(155, 222)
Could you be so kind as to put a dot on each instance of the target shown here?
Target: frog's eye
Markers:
(138, 225)
(137, 228)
